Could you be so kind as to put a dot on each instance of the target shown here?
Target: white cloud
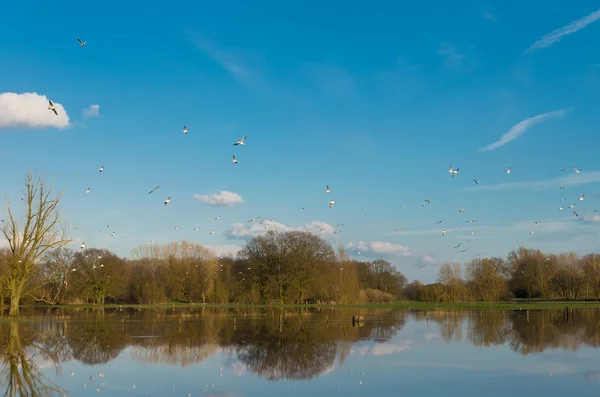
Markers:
(550, 38)
(380, 247)
(571, 180)
(248, 230)
(520, 128)
(30, 110)
(238, 368)
(230, 251)
(92, 111)
(222, 198)
(381, 349)
(591, 218)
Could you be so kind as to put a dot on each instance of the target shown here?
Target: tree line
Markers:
(524, 273)
(291, 267)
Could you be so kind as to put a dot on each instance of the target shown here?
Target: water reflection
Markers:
(287, 344)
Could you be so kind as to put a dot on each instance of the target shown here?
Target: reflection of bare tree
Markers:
(21, 356)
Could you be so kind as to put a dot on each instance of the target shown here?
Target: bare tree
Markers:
(38, 233)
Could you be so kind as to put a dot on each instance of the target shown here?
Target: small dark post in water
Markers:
(357, 320)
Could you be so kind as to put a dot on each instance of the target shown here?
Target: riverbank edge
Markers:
(406, 305)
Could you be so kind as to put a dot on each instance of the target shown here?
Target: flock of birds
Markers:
(454, 172)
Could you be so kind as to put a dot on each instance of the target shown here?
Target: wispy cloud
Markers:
(550, 38)
(452, 58)
(520, 128)
(92, 111)
(571, 180)
(30, 110)
(331, 79)
(220, 199)
(380, 247)
(487, 14)
(234, 61)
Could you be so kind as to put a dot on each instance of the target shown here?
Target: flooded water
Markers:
(299, 352)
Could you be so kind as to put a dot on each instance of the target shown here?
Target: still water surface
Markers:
(299, 352)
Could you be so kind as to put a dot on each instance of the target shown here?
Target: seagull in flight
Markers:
(577, 171)
(476, 181)
(443, 232)
(427, 201)
(82, 246)
(581, 198)
(331, 203)
(564, 169)
(185, 129)
(457, 246)
(576, 214)
(241, 141)
(462, 211)
(212, 232)
(508, 170)
(153, 190)
(81, 43)
(51, 107)
(562, 187)
(88, 190)
(217, 217)
(234, 160)
(101, 169)
(438, 222)
(253, 219)
(327, 189)
(168, 200)
(595, 210)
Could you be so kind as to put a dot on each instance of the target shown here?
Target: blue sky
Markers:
(375, 101)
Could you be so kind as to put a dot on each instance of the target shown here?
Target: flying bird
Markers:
(576, 214)
(595, 210)
(577, 171)
(88, 190)
(101, 169)
(438, 222)
(462, 211)
(217, 217)
(508, 170)
(82, 246)
(253, 219)
(476, 181)
(153, 190)
(185, 129)
(168, 200)
(241, 141)
(331, 203)
(327, 189)
(581, 198)
(234, 160)
(51, 107)
(212, 232)
(81, 43)
(427, 201)
(443, 232)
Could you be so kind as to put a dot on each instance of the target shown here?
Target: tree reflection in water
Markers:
(24, 348)
(276, 344)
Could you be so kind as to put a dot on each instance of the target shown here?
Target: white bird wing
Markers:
(244, 139)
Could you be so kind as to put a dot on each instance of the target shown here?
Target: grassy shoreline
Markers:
(400, 305)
